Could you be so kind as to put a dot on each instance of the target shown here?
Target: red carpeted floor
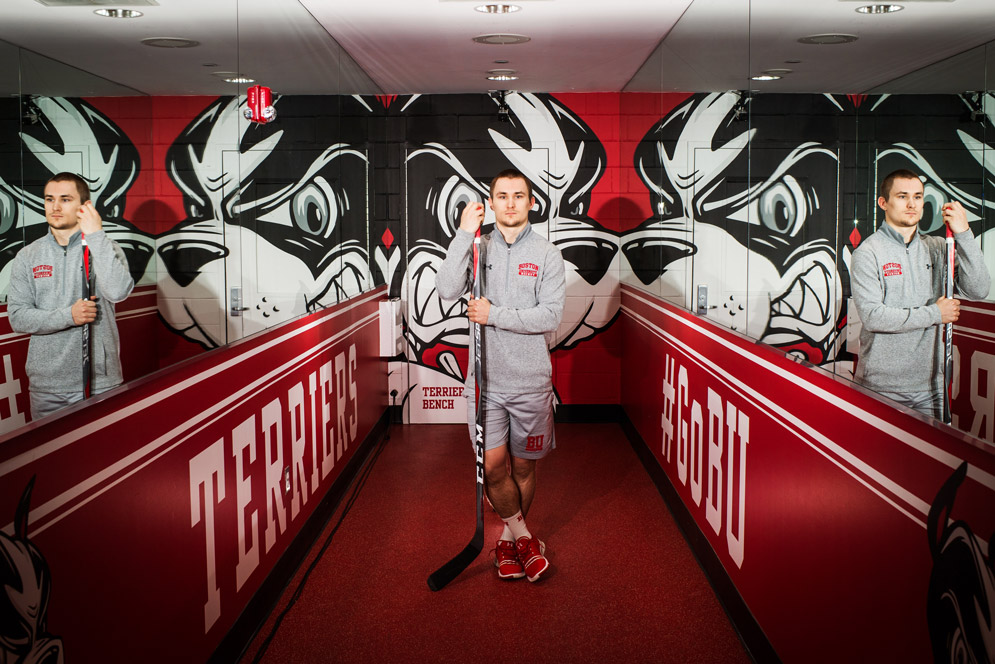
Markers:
(624, 586)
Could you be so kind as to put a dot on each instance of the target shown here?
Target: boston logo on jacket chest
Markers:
(528, 269)
(41, 271)
(892, 269)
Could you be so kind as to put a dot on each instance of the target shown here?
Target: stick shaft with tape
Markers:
(948, 332)
(86, 326)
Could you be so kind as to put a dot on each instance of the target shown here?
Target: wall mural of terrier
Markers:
(957, 158)
(751, 212)
(58, 135)
(757, 211)
(563, 159)
(960, 606)
(25, 588)
(268, 210)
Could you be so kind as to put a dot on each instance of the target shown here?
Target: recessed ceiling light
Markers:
(118, 13)
(879, 9)
(232, 77)
(776, 72)
(792, 62)
(501, 39)
(502, 75)
(497, 9)
(764, 77)
(170, 42)
(500, 62)
(828, 39)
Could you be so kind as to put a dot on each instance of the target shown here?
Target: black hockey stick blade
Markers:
(452, 569)
(442, 576)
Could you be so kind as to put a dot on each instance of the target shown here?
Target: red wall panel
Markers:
(814, 495)
(973, 405)
(161, 508)
(138, 323)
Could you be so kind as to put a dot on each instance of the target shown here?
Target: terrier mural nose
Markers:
(649, 255)
(138, 253)
(184, 259)
(594, 254)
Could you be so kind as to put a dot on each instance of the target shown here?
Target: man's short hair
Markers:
(900, 174)
(81, 186)
(514, 175)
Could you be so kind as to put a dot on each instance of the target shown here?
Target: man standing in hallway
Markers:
(522, 300)
(898, 277)
(45, 299)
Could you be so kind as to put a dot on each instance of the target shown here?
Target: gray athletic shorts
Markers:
(523, 421)
(44, 403)
(926, 402)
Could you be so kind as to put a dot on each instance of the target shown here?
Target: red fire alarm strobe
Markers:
(259, 105)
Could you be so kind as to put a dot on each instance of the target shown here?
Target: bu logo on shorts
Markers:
(534, 443)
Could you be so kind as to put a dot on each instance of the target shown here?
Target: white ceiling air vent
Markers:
(501, 39)
(170, 42)
(98, 3)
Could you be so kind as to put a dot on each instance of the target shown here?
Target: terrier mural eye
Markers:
(933, 199)
(315, 208)
(8, 211)
(782, 207)
(451, 198)
(542, 206)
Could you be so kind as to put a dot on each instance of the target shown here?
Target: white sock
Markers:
(506, 534)
(515, 525)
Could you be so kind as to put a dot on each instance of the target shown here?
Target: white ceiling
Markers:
(400, 46)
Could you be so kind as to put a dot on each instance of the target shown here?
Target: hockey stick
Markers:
(86, 326)
(440, 577)
(948, 336)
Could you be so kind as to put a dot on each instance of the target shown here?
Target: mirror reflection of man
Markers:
(45, 299)
(897, 282)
